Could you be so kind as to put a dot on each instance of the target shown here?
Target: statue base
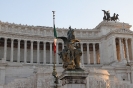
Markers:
(74, 79)
(53, 84)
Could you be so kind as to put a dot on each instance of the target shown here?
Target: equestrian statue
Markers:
(71, 53)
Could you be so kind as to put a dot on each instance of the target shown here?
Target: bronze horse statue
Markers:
(108, 18)
(115, 17)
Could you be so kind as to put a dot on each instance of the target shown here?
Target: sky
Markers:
(75, 13)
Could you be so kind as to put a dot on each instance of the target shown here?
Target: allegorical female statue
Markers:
(71, 53)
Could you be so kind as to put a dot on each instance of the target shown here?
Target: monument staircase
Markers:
(98, 78)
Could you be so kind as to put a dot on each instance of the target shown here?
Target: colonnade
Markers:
(123, 49)
(90, 52)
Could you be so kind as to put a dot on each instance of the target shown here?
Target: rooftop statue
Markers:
(71, 53)
(108, 18)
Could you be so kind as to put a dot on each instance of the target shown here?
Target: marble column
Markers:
(94, 53)
(88, 53)
(31, 57)
(5, 48)
(51, 52)
(44, 53)
(127, 51)
(12, 46)
(82, 58)
(18, 56)
(120, 49)
(114, 48)
(38, 52)
(99, 53)
(25, 51)
(57, 58)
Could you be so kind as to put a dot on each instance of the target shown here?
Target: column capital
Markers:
(5, 38)
(25, 40)
(50, 42)
(19, 40)
(31, 41)
(38, 41)
(12, 39)
(57, 42)
(126, 38)
(120, 39)
(87, 43)
(94, 43)
(44, 42)
(81, 43)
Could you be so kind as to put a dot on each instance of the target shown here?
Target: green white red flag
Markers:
(55, 38)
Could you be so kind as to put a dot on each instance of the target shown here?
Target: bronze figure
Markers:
(108, 18)
(71, 53)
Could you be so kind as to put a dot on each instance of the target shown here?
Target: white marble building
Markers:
(26, 55)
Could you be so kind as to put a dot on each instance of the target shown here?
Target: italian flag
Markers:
(55, 39)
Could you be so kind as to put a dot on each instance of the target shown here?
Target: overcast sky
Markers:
(77, 13)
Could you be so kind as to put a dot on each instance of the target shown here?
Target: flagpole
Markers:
(54, 68)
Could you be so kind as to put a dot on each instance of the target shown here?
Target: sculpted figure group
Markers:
(71, 53)
(107, 16)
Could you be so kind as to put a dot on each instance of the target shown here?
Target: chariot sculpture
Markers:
(107, 16)
(71, 53)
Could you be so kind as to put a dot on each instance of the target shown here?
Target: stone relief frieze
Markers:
(32, 31)
(35, 38)
(84, 34)
(22, 37)
(73, 81)
(122, 31)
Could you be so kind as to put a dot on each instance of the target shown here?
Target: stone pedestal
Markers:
(74, 79)
(53, 84)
